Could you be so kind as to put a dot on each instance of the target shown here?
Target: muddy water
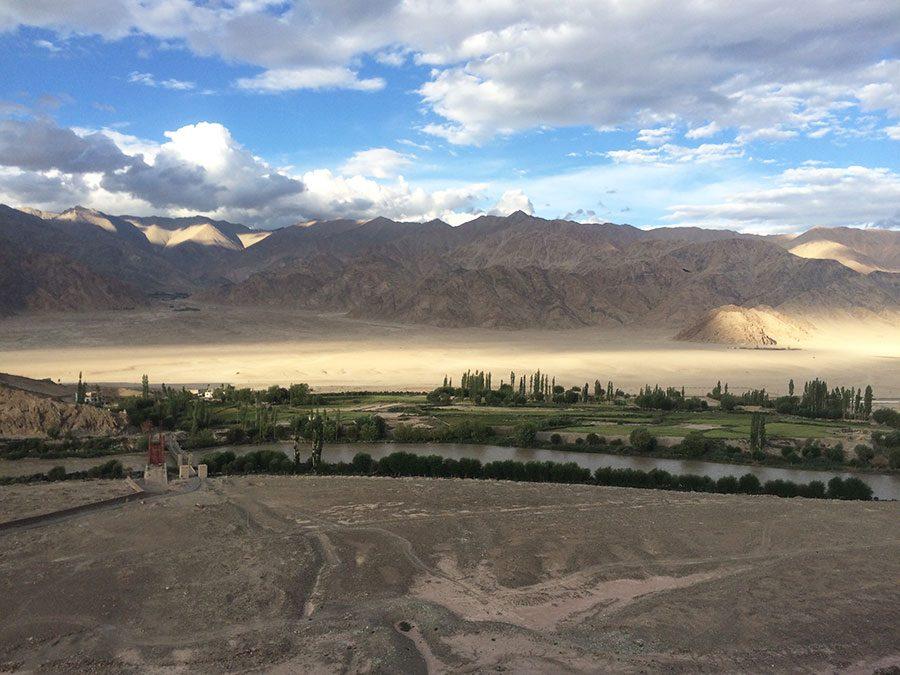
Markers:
(884, 487)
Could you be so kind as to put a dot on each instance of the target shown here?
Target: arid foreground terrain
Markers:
(388, 575)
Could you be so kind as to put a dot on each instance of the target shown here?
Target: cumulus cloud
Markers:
(512, 201)
(39, 144)
(802, 198)
(377, 162)
(202, 167)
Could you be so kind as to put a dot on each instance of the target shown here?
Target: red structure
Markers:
(156, 445)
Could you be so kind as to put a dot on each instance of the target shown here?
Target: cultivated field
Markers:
(291, 574)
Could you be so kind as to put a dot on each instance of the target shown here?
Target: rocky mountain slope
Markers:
(865, 251)
(23, 414)
(512, 272)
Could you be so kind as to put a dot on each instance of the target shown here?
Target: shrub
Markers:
(363, 463)
(555, 439)
(811, 449)
(592, 439)
(526, 434)
(694, 444)
(835, 453)
(642, 440)
(848, 488)
(864, 453)
(57, 473)
(887, 416)
(749, 484)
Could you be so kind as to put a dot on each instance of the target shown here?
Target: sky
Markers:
(760, 116)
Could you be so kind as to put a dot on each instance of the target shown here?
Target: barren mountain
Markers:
(749, 327)
(587, 282)
(513, 272)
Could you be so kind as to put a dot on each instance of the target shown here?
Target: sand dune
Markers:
(832, 250)
(747, 326)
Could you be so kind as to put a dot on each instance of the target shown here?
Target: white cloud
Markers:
(413, 144)
(801, 198)
(201, 168)
(704, 131)
(512, 201)
(893, 132)
(46, 44)
(656, 136)
(672, 153)
(149, 80)
(287, 79)
(377, 163)
(501, 67)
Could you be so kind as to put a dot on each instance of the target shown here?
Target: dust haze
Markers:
(206, 344)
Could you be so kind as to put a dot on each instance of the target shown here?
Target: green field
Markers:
(604, 419)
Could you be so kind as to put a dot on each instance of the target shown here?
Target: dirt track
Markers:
(332, 574)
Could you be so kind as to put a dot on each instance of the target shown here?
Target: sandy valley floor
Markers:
(261, 347)
(304, 574)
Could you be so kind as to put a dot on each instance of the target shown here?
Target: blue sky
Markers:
(759, 118)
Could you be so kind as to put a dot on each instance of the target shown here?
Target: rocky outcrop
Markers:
(25, 415)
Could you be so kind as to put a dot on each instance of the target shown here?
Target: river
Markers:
(883, 486)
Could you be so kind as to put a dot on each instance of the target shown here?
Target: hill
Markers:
(24, 414)
(749, 327)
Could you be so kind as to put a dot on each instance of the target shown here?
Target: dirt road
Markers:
(291, 574)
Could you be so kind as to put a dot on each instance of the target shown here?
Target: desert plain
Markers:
(191, 343)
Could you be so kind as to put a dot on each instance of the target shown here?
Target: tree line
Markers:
(405, 464)
(537, 387)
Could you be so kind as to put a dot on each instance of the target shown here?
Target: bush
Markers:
(811, 449)
(57, 473)
(555, 439)
(749, 484)
(848, 488)
(864, 453)
(363, 463)
(694, 445)
(526, 434)
(887, 416)
(641, 439)
(592, 439)
(836, 453)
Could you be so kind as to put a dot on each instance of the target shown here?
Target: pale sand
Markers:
(262, 347)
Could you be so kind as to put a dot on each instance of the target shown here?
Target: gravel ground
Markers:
(300, 574)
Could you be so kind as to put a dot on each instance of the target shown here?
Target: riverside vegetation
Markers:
(531, 410)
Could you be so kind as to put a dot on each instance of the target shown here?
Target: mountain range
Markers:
(516, 271)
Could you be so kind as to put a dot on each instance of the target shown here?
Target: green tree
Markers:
(867, 401)
(145, 386)
(80, 390)
(757, 431)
